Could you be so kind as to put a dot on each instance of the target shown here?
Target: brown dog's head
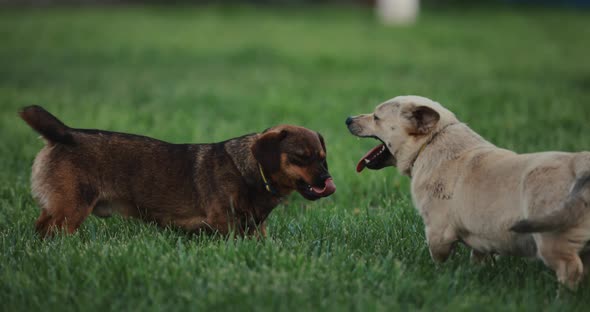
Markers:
(402, 124)
(294, 158)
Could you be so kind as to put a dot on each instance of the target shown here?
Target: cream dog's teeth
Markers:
(367, 161)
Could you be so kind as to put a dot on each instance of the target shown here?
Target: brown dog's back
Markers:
(80, 169)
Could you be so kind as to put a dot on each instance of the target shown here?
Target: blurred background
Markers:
(294, 2)
(427, 3)
(279, 2)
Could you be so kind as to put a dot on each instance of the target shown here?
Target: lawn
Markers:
(520, 77)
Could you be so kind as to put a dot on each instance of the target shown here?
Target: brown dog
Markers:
(220, 187)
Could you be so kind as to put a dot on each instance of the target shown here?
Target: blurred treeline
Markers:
(427, 3)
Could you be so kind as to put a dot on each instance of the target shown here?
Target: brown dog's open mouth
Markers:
(316, 192)
(377, 158)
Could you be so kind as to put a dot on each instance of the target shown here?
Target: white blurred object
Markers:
(398, 12)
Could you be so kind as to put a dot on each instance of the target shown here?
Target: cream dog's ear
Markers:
(420, 119)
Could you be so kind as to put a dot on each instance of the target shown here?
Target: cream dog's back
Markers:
(487, 190)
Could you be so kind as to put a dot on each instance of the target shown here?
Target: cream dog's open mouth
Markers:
(377, 158)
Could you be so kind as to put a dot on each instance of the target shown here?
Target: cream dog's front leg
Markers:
(477, 257)
(441, 242)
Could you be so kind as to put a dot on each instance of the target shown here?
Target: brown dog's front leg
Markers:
(259, 232)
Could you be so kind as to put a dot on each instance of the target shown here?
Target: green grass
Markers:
(521, 78)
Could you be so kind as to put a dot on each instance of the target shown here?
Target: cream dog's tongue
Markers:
(365, 159)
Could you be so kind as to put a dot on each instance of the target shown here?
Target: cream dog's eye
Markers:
(375, 117)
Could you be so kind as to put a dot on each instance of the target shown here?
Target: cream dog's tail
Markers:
(573, 210)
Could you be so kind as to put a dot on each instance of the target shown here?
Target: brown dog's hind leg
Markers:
(65, 210)
(42, 224)
(258, 232)
(48, 224)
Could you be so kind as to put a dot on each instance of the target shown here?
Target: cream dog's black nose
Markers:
(348, 121)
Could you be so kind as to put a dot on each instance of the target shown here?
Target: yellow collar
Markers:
(421, 150)
(428, 142)
(267, 185)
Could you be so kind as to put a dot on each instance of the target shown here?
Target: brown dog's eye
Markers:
(299, 160)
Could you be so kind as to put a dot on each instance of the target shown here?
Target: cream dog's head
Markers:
(403, 125)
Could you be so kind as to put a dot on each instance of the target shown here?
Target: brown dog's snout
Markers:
(326, 187)
(320, 179)
(322, 183)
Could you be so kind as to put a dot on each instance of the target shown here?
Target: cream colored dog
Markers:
(468, 190)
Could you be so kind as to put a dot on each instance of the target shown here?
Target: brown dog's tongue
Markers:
(365, 159)
(328, 189)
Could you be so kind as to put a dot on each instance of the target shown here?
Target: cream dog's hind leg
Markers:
(562, 256)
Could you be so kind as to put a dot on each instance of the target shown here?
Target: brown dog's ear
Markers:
(422, 119)
(324, 147)
(322, 142)
(266, 150)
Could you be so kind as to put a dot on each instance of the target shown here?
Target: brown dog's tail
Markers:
(576, 206)
(53, 130)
